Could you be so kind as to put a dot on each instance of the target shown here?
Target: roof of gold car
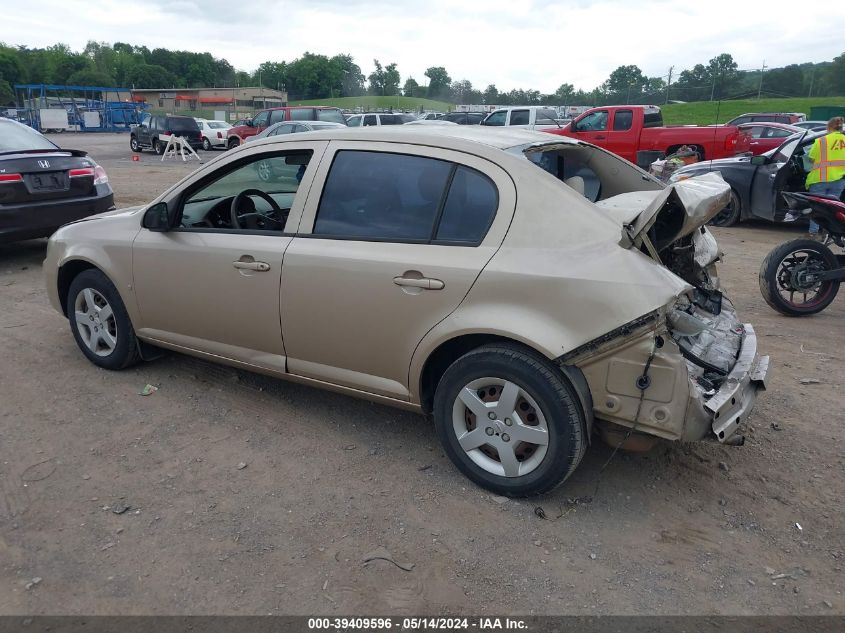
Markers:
(495, 137)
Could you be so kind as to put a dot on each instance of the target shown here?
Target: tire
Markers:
(206, 144)
(233, 142)
(783, 264)
(90, 295)
(264, 169)
(133, 144)
(538, 392)
(158, 147)
(730, 215)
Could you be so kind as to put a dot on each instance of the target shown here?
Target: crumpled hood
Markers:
(699, 199)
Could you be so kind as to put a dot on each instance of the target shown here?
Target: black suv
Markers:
(147, 132)
(465, 118)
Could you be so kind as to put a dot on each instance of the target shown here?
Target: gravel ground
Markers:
(231, 493)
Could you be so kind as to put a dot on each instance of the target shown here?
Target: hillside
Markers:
(379, 103)
(709, 112)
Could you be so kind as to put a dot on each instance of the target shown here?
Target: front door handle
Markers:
(600, 137)
(261, 267)
(419, 282)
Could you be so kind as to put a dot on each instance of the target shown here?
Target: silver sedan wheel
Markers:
(95, 322)
(265, 171)
(500, 427)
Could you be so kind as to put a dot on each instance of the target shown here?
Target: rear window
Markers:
(332, 115)
(218, 125)
(653, 119)
(182, 124)
(15, 138)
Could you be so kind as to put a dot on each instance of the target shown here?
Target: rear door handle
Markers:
(419, 282)
(261, 267)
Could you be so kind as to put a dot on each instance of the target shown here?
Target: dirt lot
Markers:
(684, 529)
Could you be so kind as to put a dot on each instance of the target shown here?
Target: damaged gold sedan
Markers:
(523, 290)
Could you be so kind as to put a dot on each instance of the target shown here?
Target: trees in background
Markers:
(384, 80)
(315, 76)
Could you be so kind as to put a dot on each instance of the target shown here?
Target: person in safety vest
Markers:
(828, 155)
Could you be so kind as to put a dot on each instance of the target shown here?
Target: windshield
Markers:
(16, 138)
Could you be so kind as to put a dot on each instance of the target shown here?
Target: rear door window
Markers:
(622, 120)
(381, 196)
(276, 116)
(399, 197)
(370, 119)
(520, 117)
(302, 114)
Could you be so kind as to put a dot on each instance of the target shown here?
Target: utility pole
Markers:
(762, 71)
(812, 76)
(669, 82)
(713, 88)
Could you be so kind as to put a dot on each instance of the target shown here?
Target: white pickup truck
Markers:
(525, 117)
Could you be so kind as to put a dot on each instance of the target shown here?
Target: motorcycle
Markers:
(801, 277)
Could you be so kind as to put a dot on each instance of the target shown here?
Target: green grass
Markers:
(705, 112)
(380, 103)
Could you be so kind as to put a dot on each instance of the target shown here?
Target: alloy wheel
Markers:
(95, 322)
(500, 427)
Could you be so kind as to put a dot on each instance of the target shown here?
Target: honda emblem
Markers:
(44, 164)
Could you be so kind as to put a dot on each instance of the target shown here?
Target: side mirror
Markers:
(157, 218)
(759, 160)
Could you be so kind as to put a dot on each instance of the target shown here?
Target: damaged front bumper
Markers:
(732, 403)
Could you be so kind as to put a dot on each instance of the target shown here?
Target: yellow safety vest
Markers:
(828, 155)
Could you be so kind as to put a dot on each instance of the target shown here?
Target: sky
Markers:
(528, 44)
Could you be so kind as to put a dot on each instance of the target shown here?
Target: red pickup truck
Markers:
(637, 134)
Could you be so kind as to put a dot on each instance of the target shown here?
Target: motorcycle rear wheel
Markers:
(781, 278)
